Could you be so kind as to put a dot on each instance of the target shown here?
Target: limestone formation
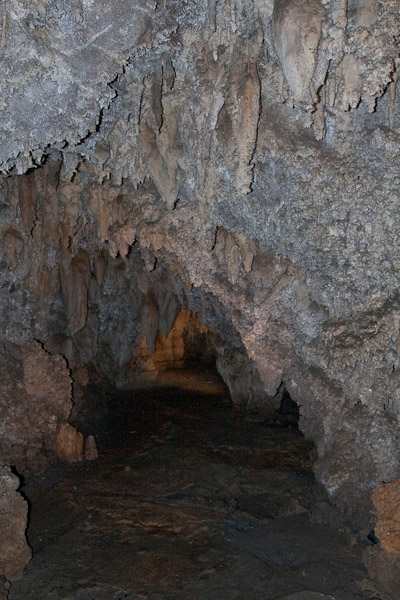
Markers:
(243, 381)
(386, 498)
(385, 568)
(238, 159)
(188, 341)
(14, 550)
(91, 452)
(69, 443)
(297, 30)
(35, 398)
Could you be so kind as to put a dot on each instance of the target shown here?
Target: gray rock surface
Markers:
(58, 59)
(199, 149)
(14, 550)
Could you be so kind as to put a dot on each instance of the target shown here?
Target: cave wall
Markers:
(187, 343)
(242, 156)
(14, 550)
(35, 399)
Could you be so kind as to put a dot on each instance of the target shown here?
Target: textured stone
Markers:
(386, 499)
(385, 568)
(69, 443)
(243, 381)
(91, 452)
(14, 550)
(188, 342)
(89, 43)
(297, 30)
(238, 159)
(35, 398)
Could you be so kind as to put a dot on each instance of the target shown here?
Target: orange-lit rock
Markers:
(69, 444)
(386, 498)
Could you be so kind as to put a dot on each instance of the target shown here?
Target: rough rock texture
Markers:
(57, 61)
(385, 568)
(14, 550)
(386, 499)
(35, 398)
(69, 443)
(91, 452)
(243, 381)
(185, 341)
(236, 158)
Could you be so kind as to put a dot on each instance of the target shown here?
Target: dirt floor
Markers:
(187, 500)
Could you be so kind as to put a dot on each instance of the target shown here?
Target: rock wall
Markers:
(240, 156)
(186, 343)
(14, 550)
(35, 399)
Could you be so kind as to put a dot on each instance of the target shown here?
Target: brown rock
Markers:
(75, 278)
(13, 246)
(91, 452)
(35, 399)
(14, 550)
(386, 499)
(383, 567)
(69, 443)
(297, 29)
(4, 588)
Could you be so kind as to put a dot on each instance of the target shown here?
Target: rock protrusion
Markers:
(386, 499)
(14, 550)
(91, 452)
(69, 444)
(13, 246)
(75, 273)
(297, 30)
(35, 399)
(168, 312)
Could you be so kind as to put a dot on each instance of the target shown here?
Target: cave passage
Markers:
(188, 499)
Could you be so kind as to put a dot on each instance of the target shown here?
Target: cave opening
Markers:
(232, 161)
(183, 364)
(172, 365)
(182, 485)
(182, 471)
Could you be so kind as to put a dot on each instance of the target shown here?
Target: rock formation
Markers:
(91, 452)
(14, 550)
(386, 498)
(69, 444)
(35, 399)
(238, 159)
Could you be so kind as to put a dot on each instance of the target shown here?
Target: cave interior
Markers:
(199, 300)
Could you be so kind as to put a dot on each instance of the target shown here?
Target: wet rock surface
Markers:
(188, 499)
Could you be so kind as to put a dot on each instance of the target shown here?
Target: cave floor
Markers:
(187, 500)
